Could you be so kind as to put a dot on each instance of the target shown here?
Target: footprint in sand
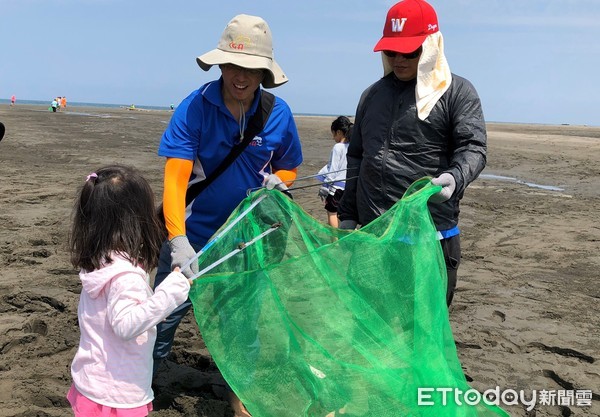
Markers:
(569, 386)
(29, 302)
(36, 326)
(572, 353)
(499, 316)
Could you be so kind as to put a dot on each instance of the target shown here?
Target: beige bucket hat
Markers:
(246, 42)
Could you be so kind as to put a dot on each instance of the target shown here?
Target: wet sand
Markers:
(525, 315)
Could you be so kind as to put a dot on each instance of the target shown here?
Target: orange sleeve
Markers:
(287, 176)
(177, 176)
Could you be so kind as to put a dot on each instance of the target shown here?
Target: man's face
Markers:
(404, 65)
(240, 83)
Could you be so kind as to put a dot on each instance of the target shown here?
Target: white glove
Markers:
(448, 184)
(323, 192)
(273, 181)
(347, 224)
(181, 253)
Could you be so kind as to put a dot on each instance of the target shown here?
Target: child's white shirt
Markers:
(337, 162)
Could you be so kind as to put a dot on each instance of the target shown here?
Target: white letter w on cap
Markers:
(398, 24)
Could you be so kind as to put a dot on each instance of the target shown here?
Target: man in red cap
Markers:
(418, 120)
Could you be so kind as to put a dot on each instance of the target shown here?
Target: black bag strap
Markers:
(255, 125)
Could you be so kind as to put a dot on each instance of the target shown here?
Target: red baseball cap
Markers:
(407, 25)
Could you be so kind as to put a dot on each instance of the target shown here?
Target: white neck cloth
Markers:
(433, 74)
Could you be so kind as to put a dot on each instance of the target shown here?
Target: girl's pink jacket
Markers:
(118, 313)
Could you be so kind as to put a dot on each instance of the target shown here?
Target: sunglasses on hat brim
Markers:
(409, 55)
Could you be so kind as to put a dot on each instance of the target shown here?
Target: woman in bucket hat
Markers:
(418, 120)
(201, 133)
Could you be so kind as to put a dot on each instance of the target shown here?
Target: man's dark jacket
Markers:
(391, 147)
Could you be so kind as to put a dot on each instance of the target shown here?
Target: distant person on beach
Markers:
(54, 105)
(203, 129)
(114, 242)
(418, 120)
(63, 102)
(333, 174)
(13, 100)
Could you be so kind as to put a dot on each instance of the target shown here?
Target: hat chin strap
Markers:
(242, 120)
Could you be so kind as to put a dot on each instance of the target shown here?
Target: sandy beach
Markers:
(525, 315)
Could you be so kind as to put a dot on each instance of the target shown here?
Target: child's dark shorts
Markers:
(332, 201)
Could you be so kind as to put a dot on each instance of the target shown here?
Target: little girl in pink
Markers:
(115, 241)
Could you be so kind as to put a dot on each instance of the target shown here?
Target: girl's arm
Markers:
(133, 309)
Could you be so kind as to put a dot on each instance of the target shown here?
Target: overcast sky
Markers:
(533, 61)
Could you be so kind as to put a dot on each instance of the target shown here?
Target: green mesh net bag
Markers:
(307, 320)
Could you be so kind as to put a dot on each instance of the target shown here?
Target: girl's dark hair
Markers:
(115, 213)
(343, 124)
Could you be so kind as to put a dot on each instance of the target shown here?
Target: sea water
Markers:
(518, 181)
(83, 104)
